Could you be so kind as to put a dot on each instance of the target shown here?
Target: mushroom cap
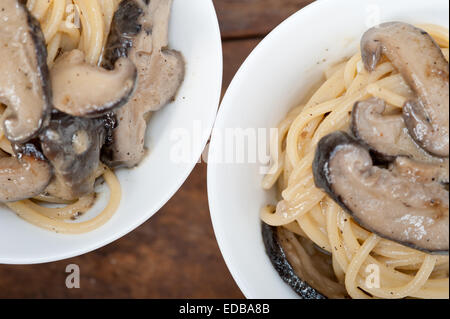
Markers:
(387, 137)
(277, 255)
(72, 145)
(391, 204)
(25, 175)
(81, 89)
(25, 86)
(140, 32)
(124, 28)
(418, 58)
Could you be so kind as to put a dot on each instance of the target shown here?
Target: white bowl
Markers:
(194, 31)
(274, 78)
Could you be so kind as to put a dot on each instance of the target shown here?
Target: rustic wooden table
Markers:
(175, 254)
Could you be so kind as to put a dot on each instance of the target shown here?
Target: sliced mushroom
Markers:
(392, 205)
(23, 176)
(25, 84)
(72, 145)
(81, 89)
(430, 133)
(303, 267)
(140, 31)
(387, 136)
(421, 172)
(125, 27)
(423, 66)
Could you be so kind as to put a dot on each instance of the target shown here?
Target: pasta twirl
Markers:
(70, 24)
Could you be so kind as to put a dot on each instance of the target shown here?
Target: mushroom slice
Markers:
(23, 176)
(72, 145)
(301, 265)
(81, 89)
(423, 66)
(125, 27)
(421, 172)
(140, 32)
(25, 84)
(392, 205)
(387, 136)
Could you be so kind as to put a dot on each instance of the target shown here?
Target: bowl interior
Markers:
(276, 76)
(187, 122)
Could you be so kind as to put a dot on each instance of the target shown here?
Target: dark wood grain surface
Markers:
(175, 254)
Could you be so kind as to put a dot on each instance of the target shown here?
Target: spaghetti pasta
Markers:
(70, 24)
(51, 220)
(306, 211)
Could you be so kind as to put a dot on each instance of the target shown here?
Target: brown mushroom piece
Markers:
(72, 145)
(301, 264)
(391, 204)
(420, 61)
(24, 175)
(81, 89)
(421, 172)
(140, 31)
(25, 86)
(387, 137)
